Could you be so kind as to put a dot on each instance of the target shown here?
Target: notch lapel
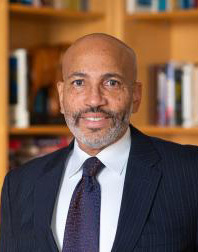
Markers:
(45, 195)
(141, 182)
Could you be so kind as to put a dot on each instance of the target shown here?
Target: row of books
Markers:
(23, 149)
(79, 5)
(173, 94)
(33, 96)
(133, 6)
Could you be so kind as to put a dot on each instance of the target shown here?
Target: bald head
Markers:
(102, 44)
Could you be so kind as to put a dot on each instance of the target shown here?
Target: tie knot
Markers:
(92, 166)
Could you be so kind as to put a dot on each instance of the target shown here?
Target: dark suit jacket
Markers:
(159, 210)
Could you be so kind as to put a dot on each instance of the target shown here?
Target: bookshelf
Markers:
(4, 89)
(18, 9)
(62, 130)
(177, 15)
(156, 37)
(40, 130)
(26, 27)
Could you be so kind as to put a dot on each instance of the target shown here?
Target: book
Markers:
(171, 94)
(12, 90)
(19, 114)
(178, 95)
(187, 98)
(85, 5)
(133, 6)
(162, 95)
(152, 94)
(24, 149)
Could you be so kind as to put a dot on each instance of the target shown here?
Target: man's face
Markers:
(97, 94)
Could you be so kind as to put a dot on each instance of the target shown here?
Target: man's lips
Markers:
(95, 120)
(95, 116)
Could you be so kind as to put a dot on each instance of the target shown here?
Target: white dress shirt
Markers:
(111, 180)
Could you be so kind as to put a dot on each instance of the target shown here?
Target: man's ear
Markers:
(60, 86)
(137, 96)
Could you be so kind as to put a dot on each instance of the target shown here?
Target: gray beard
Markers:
(115, 132)
(98, 142)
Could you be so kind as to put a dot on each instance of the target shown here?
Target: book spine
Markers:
(84, 5)
(170, 94)
(161, 5)
(130, 6)
(12, 90)
(28, 2)
(161, 96)
(153, 72)
(178, 95)
(74, 5)
(22, 113)
(187, 95)
(13, 80)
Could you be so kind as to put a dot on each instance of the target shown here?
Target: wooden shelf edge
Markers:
(169, 15)
(63, 130)
(52, 12)
(41, 130)
(154, 130)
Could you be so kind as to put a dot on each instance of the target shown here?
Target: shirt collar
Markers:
(120, 150)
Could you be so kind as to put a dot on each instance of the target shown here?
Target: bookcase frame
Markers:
(155, 37)
(4, 23)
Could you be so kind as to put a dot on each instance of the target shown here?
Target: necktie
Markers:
(83, 220)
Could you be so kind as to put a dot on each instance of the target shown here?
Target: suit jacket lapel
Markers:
(45, 196)
(141, 182)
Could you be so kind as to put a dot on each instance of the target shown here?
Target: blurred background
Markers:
(35, 33)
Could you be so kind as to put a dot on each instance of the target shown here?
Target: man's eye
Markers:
(113, 83)
(77, 83)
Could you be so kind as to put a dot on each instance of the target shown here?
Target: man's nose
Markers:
(95, 97)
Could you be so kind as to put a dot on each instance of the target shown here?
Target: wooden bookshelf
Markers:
(174, 37)
(26, 27)
(19, 9)
(167, 133)
(63, 130)
(178, 15)
(4, 89)
(40, 130)
(170, 131)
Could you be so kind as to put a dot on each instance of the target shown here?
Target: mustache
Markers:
(111, 114)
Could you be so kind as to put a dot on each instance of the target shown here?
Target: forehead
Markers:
(95, 56)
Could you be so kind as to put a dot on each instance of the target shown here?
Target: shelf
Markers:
(164, 16)
(52, 12)
(40, 130)
(154, 130)
(63, 130)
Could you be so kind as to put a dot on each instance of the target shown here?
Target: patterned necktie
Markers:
(83, 220)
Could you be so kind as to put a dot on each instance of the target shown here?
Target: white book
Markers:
(37, 3)
(21, 111)
(130, 6)
(187, 95)
(161, 96)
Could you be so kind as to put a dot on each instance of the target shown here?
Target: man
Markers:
(114, 188)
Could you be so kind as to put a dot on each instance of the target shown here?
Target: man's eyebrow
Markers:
(77, 74)
(112, 75)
